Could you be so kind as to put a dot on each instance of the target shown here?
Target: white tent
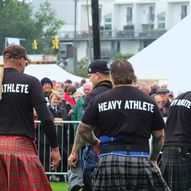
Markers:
(52, 71)
(169, 57)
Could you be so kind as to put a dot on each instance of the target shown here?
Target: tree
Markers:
(82, 68)
(17, 21)
(48, 26)
(118, 55)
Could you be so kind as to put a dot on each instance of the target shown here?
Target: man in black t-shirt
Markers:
(176, 158)
(99, 75)
(20, 166)
(125, 118)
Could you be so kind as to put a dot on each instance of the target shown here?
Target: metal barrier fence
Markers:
(65, 134)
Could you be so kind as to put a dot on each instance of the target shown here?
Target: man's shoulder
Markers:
(32, 78)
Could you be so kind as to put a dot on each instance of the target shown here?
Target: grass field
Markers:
(59, 186)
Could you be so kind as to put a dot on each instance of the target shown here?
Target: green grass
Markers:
(59, 186)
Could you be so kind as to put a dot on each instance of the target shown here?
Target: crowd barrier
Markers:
(65, 134)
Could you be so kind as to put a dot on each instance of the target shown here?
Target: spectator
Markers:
(87, 88)
(163, 93)
(47, 87)
(58, 115)
(59, 85)
(176, 158)
(154, 89)
(67, 83)
(157, 98)
(83, 81)
(20, 166)
(53, 83)
(78, 110)
(77, 96)
(56, 111)
(76, 85)
(69, 95)
(125, 117)
(170, 96)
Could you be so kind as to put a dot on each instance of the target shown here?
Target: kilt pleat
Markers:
(176, 169)
(126, 173)
(20, 167)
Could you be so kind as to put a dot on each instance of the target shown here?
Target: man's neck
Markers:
(11, 66)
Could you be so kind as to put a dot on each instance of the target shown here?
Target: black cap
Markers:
(68, 81)
(46, 81)
(98, 66)
(162, 90)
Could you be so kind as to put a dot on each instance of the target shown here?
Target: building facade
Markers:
(126, 26)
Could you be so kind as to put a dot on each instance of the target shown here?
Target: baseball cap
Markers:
(98, 66)
(16, 52)
(171, 93)
(162, 90)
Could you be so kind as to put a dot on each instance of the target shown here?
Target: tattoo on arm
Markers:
(157, 144)
(78, 142)
(86, 131)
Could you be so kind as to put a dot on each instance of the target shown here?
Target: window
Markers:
(108, 22)
(161, 21)
(129, 14)
(183, 11)
(151, 14)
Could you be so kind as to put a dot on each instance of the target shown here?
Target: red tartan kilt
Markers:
(20, 167)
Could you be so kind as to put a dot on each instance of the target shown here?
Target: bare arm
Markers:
(87, 136)
(78, 142)
(157, 144)
(86, 131)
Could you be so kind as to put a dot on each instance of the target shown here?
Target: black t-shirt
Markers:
(124, 111)
(98, 89)
(178, 131)
(21, 93)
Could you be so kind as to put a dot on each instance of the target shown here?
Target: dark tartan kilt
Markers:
(20, 167)
(126, 173)
(176, 169)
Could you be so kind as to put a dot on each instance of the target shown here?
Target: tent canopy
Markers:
(168, 56)
(51, 71)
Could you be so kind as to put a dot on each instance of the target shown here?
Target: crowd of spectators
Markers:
(65, 101)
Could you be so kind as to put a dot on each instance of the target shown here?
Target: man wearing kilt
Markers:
(125, 118)
(176, 158)
(20, 167)
(99, 75)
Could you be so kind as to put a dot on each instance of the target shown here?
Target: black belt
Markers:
(185, 152)
(107, 148)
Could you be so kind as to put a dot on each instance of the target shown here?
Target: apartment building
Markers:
(126, 26)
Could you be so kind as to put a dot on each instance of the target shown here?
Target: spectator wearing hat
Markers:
(67, 83)
(99, 75)
(47, 87)
(171, 96)
(83, 81)
(163, 93)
